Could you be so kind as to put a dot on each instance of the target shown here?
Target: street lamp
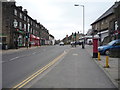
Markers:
(83, 18)
(83, 15)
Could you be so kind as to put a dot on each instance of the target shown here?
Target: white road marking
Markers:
(75, 54)
(13, 58)
(34, 53)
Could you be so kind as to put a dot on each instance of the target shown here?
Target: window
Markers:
(102, 22)
(106, 21)
(36, 25)
(15, 12)
(36, 32)
(28, 27)
(25, 18)
(28, 20)
(31, 30)
(15, 23)
(25, 27)
(21, 15)
(31, 23)
(96, 27)
(20, 25)
(116, 25)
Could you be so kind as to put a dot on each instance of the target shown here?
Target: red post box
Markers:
(95, 47)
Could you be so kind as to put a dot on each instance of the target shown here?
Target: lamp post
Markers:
(83, 20)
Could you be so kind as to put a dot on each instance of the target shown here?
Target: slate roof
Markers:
(107, 13)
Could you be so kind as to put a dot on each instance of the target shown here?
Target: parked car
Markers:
(115, 44)
(61, 43)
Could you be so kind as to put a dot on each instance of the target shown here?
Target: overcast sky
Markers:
(61, 17)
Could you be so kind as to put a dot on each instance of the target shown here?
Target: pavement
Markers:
(112, 71)
(16, 50)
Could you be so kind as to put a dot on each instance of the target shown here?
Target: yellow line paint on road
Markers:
(30, 78)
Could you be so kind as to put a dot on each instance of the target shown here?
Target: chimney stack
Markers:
(20, 7)
(25, 11)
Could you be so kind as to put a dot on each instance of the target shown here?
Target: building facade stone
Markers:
(19, 29)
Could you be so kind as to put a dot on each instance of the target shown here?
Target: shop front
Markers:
(42, 41)
(19, 39)
(35, 41)
(32, 40)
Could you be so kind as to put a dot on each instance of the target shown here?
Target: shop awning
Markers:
(37, 38)
(32, 36)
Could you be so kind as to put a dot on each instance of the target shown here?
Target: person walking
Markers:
(16, 44)
(29, 44)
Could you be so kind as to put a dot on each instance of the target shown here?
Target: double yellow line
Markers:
(30, 78)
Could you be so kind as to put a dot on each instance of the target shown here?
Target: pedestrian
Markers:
(75, 43)
(83, 45)
(29, 44)
(16, 44)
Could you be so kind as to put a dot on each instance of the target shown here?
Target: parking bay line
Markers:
(30, 78)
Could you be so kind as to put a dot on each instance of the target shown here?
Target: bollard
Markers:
(107, 59)
(99, 56)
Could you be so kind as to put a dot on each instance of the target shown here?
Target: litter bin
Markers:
(5, 46)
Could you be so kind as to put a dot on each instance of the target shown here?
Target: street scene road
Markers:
(57, 44)
(18, 64)
(76, 69)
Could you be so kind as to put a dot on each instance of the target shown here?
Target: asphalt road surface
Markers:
(72, 68)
